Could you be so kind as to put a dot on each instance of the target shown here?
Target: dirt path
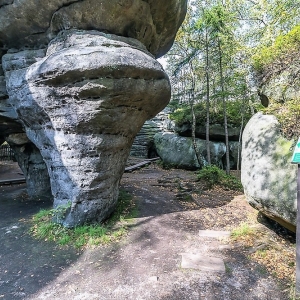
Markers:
(150, 263)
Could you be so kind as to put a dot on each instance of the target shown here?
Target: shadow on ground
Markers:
(146, 264)
(27, 265)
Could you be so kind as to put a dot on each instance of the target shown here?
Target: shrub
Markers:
(213, 175)
(283, 47)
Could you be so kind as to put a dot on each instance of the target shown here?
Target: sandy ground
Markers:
(147, 263)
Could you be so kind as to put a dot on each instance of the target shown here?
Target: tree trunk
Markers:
(200, 159)
(241, 131)
(207, 99)
(224, 109)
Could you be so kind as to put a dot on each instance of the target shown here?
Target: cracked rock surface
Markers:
(82, 105)
(33, 23)
(80, 78)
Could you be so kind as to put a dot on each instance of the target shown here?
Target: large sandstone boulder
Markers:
(268, 177)
(82, 106)
(34, 23)
(216, 131)
(82, 78)
(179, 151)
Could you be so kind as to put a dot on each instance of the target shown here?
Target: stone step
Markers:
(214, 234)
(202, 262)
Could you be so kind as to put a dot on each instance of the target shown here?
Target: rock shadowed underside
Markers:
(81, 78)
(34, 23)
(26, 153)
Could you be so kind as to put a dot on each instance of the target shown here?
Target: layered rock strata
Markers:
(34, 23)
(82, 78)
(82, 105)
(26, 153)
(33, 166)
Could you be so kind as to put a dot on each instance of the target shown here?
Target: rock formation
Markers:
(32, 164)
(86, 93)
(268, 177)
(179, 151)
(26, 153)
(216, 131)
(143, 144)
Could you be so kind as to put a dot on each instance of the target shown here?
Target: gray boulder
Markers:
(268, 177)
(178, 151)
(84, 96)
(82, 106)
(216, 131)
(34, 23)
(32, 164)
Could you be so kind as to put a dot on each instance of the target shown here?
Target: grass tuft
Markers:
(243, 230)
(114, 228)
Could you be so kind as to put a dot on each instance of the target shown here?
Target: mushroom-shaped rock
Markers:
(81, 76)
(82, 106)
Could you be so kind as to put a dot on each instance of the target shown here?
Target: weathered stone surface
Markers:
(216, 132)
(82, 95)
(9, 121)
(32, 165)
(11, 130)
(82, 106)
(268, 177)
(204, 263)
(179, 151)
(33, 23)
(143, 144)
(8, 117)
(284, 85)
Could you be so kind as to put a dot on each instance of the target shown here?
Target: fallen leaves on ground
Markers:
(275, 253)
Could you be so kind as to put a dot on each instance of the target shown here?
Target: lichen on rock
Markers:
(82, 78)
(268, 177)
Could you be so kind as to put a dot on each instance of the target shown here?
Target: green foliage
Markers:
(288, 115)
(213, 175)
(183, 115)
(243, 230)
(86, 235)
(283, 46)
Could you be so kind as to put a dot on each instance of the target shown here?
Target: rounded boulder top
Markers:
(33, 23)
